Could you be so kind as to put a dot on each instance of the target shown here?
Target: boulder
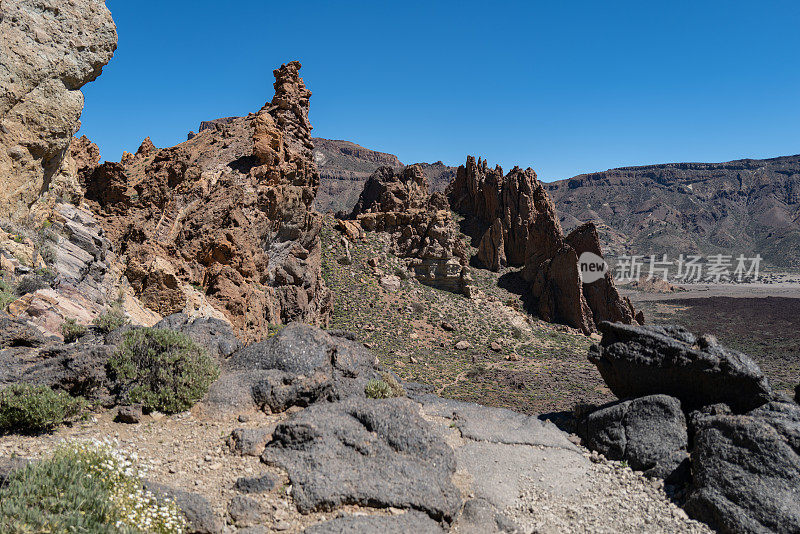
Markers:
(198, 511)
(637, 361)
(261, 484)
(246, 512)
(50, 49)
(367, 452)
(747, 470)
(648, 432)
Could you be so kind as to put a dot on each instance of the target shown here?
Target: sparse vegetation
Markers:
(72, 331)
(7, 296)
(110, 320)
(30, 284)
(86, 486)
(384, 388)
(162, 369)
(26, 408)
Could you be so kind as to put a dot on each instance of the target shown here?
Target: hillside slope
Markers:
(745, 206)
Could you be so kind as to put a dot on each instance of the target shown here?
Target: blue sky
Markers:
(563, 87)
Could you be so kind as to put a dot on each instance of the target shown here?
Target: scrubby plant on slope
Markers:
(86, 486)
(71, 330)
(162, 369)
(110, 320)
(384, 388)
(29, 409)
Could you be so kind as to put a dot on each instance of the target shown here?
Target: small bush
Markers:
(6, 295)
(110, 320)
(71, 330)
(30, 409)
(384, 388)
(162, 369)
(86, 486)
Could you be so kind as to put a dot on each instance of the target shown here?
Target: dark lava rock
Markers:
(747, 470)
(636, 361)
(367, 452)
(198, 511)
(298, 366)
(129, 414)
(246, 512)
(216, 336)
(262, 484)
(406, 523)
(648, 432)
(14, 333)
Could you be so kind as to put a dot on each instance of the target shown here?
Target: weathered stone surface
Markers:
(513, 221)
(130, 415)
(260, 484)
(368, 452)
(479, 516)
(249, 441)
(646, 360)
(246, 512)
(747, 470)
(648, 432)
(422, 229)
(410, 521)
(50, 50)
(224, 220)
(198, 511)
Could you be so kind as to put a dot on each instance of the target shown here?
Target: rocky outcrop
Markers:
(50, 49)
(513, 222)
(222, 225)
(421, 226)
(648, 360)
(745, 446)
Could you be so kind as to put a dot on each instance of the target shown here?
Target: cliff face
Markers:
(738, 207)
(49, 50)
(513, 222)
(222, 223)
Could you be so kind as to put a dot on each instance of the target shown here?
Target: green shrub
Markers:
(71, 330)
(29, 409)
(110, 320)
(6, 295)
(162, 369)
(84, 487)
(384, 388)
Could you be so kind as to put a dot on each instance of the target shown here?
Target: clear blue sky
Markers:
(563, 87)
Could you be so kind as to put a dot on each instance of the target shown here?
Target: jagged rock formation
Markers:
(422, 229)
(50, 49)
(222, 223)
(745, 455)
(513, 222)
(738, 207)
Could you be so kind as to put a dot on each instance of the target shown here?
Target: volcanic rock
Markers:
(648, 360)
(421, 226)
(368, 452)
(747, 470)
(223, 221)
(648, 432)
(50, 49)
(512, 221)
(410, 521)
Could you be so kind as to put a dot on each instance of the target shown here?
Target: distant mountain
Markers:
(746, 206)
(345, 166)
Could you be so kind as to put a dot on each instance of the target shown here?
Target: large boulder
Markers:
(649, 433)
(747, 469)
(363, 524)
(50, 49)
(365, 452)
(637, 361)
(298, 366)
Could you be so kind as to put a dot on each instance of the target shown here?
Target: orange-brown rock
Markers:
(228, 213)
(421, 226)
(513, 222)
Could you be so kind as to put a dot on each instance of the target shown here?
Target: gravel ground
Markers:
(615, 499)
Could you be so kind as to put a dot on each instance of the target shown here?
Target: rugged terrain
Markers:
(739, 207)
